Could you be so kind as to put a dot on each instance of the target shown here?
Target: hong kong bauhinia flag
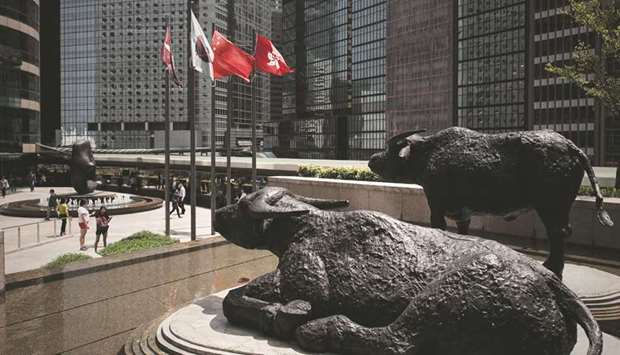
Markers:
(201, 50)
(268, 59)
(167, 57)
(230, 59)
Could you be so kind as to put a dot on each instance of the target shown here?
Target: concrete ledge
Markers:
(408, 202)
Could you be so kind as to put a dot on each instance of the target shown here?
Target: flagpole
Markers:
(253, 113)
(213, 187)
(228, 145)
(192, 123)
(167, 154)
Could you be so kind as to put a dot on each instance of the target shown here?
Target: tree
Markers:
(592, 68)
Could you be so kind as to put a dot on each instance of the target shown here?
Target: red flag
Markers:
(166, 56)
(268, 59)
(230, 59)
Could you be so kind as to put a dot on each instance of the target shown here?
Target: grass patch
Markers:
(67, 258)
(606, 191)
(137, 241)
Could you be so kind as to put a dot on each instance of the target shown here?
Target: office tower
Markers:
(481, 65)
(562, 106)
(333, 106)
(491, 57)
(112, 80)
(50, 70)
(20, 74)
(275, 82)
(420, 65)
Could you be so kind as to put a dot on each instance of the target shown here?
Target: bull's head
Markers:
(392, 163)
(247, 222)
(82, 164)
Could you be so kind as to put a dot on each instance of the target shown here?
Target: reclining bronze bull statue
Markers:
(465, 172)
(363, 283)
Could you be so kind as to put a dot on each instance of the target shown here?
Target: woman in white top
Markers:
(83, 218)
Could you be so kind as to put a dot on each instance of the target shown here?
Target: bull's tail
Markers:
(570, 303)
(601, 214)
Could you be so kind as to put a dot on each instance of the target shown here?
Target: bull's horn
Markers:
(406, 134)
(260, 206)
(322, 203)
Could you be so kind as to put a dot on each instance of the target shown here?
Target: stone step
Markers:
(140, 341)
(612, 298)
(190, 347)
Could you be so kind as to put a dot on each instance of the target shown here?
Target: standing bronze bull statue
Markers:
(465, 172)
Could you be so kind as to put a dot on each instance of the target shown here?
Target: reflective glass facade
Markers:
(420, 79)
(20, 74)
(333, 105)
(491, 64)
(113, 88)
(366, 126)
(562, 106)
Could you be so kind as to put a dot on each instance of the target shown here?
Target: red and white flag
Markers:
(201, 50)
(167, 57)
(230, 59)
(269, 59)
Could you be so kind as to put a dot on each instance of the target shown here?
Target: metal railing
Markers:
(24, 235)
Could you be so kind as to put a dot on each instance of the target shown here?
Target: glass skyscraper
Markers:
(20, 74)
(491, 62)
(112, 81)
(333, 104)
(481, 64)
(420, 65)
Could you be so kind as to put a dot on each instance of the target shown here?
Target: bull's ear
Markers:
(405, 153)
(260, 206)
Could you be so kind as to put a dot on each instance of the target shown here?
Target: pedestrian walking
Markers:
(63, 214)
(103, 224)
(83, 219)
(4, 185)
(52, 203)
(181, 196)
(175, 202)
(32, 180)
(12, 184)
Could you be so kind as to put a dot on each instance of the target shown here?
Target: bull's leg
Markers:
(463, 221)
(438, 219)
(558, 229)
(258, 305)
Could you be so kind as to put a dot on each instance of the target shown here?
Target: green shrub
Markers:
(137, 241)
(67, 258)
(606, 191)
(363, 174)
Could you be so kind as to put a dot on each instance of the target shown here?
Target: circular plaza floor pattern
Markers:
(201, 327)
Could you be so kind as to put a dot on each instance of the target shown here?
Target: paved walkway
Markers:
(34, 256)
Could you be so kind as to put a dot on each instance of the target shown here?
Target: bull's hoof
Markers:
(322, 335)
(291, 316)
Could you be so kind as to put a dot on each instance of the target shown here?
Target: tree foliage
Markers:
(590, 68)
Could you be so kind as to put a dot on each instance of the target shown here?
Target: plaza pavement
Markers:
(33, 256)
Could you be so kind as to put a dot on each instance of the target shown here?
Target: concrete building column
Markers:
(2, 298)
